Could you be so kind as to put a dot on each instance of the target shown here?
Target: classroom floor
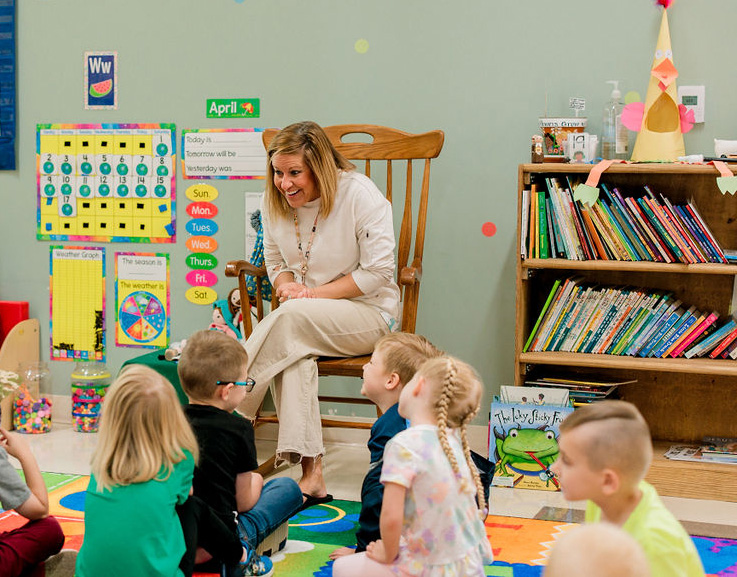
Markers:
(66, 451)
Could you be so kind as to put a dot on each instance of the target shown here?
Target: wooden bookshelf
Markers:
(683, 400)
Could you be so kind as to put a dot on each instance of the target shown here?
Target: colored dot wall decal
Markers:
(361, 46)
(488, 229)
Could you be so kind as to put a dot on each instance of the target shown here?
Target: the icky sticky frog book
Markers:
(523, 442)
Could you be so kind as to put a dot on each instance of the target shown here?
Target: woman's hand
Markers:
(376, 551)
(294, 290)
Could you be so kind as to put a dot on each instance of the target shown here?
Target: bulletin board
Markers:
(77, 295)
(106, 182)
(141, 300)
(7, 85)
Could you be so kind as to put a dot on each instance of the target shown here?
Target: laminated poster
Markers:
(232, 153)
(106, 182)
(141, 299)
(77, 295)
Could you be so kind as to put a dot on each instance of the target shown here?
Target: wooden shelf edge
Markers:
(631, 167)
(689, 479)
(636, 266)
(692, 366)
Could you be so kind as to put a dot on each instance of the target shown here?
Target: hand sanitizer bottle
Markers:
(614, 137)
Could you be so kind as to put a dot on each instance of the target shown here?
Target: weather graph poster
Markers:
(77, 301)
(141, 299)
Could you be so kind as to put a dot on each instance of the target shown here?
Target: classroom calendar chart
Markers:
(77, 303)
(106, 182)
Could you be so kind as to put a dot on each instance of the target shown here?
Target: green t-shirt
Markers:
(134, 529)
(669, 549)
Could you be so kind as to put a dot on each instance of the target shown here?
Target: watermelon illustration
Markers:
(100, 89)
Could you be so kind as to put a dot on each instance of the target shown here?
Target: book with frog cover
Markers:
(523, 443)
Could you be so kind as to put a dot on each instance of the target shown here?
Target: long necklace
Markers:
(304, 256)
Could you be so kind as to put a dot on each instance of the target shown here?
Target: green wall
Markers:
(481, 70)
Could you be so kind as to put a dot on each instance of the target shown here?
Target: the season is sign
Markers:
(233, 108)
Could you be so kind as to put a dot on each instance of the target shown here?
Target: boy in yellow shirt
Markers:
(605, 452)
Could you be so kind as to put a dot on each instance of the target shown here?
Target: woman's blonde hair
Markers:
(458, 389)
(308, 139)
(143, 430)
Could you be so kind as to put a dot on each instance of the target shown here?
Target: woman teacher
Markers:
(329, 253)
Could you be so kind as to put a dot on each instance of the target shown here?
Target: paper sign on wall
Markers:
(234, 153)
(77, 294)
(101, 80)
(141, 299)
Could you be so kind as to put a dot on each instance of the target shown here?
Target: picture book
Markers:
(720, 449)
(523, 443)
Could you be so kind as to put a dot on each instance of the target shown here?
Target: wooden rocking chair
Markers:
(386, 146)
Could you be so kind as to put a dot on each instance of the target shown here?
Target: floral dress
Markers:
(443, 535)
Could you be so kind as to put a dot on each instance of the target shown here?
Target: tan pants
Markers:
(284, 347)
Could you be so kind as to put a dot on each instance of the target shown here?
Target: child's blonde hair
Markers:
(600, 549)
(459, 390)
(143, 430)
(209, 357)
(404, 353)
(621, 440)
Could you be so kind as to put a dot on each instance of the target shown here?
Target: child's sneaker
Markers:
(254, 566)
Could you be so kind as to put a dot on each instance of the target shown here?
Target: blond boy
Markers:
(395, 359)
(597, 550)
(605, 452)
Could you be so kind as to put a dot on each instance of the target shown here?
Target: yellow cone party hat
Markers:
(663, 121)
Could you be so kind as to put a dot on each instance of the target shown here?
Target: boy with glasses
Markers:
(213, 373)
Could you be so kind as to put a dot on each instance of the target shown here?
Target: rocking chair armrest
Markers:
(410, 275)
(235, 267)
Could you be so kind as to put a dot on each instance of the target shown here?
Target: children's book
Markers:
(720, 449)
(523, 443)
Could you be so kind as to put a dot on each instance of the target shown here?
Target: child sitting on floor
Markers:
(429, 483)
(396, 358)
(599, 549)
(29, 545)
(141, 470)
(213, 373)
(605, 452)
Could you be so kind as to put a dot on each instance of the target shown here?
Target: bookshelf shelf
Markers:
(637, 266)
(686, 366)
(683, 400)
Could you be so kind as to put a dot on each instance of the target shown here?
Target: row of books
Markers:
(644, 226)
(591, 318)
(581, 391)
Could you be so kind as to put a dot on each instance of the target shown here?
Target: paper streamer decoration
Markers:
(727, 182)
(77, 298)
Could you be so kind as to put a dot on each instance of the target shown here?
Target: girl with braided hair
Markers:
(431, 526)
